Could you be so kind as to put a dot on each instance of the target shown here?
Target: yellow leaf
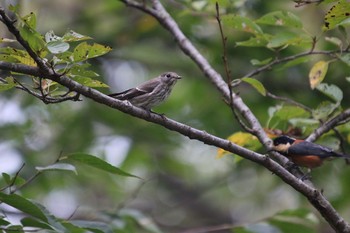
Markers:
(239, 138)
(317, 73)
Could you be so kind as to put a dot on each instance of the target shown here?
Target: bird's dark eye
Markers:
(168, 75)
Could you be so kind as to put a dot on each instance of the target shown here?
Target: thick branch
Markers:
(159, 13)
(10, 26)
(166, 20)
(315, 197)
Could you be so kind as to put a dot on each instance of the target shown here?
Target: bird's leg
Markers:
(292, 166)
(306, 176)
(159, 114)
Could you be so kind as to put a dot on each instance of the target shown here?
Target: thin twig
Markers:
(314, 196)
(228, 72)
(28, 181)
(13, 179)
(293, 57)
(287, 100)
(48, 99)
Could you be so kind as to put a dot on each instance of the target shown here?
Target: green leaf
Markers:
(51, 220)
(253, 42)
(241, 23)
(262, 227)
(86, 51)
(292, 63)
(56, 47)
(23, 205)
(57, 44)
(318, 73)
(345, 58)
(324, 110)
(30, 20)
(256, 84)
(93, 226)
(280, 18)
(63, 58)
(98, 163)
(8, 85)
(8, 58)
(58, 167)
(288, 112)
(256, 62)
(73, 228)
(284, 39)
(20, 55)
(4, 222)
(14, 228)
(332, 91)
(74, 36)
(344, 23)
(82, 70)
(89, 82)
(28, 32)
(7, 178)
(291, 221)
(31, 222)
(50, 36)
(14, 8)
(304, 214)
(33, 38)
(336, 15)
(304, 122)
(15, 180)
(283, 114)
(335, 40)
(144, 221)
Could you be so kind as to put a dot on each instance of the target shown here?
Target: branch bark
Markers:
(158, 12)
(330, 124)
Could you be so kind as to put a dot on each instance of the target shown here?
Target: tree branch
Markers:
(315, 197)
(290, 58)
(10, 26)
(330, 124)
(49, 99)
(188, 48)
(287, 100)
(228, 72)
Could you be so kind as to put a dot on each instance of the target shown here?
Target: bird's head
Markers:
(170, 77)
(282, 143)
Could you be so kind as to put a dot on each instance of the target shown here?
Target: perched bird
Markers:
(304, 153)
(150, 93)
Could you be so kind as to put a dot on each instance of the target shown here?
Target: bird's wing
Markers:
(128, 94)
(144, 88)
(309, 148)
(149, 86)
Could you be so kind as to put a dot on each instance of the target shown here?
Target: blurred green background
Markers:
(184, 185)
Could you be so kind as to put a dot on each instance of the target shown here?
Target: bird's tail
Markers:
(340, 155)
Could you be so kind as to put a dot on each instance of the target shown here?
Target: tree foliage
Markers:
(84, 166)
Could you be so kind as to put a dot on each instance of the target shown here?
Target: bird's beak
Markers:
(179, 77)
